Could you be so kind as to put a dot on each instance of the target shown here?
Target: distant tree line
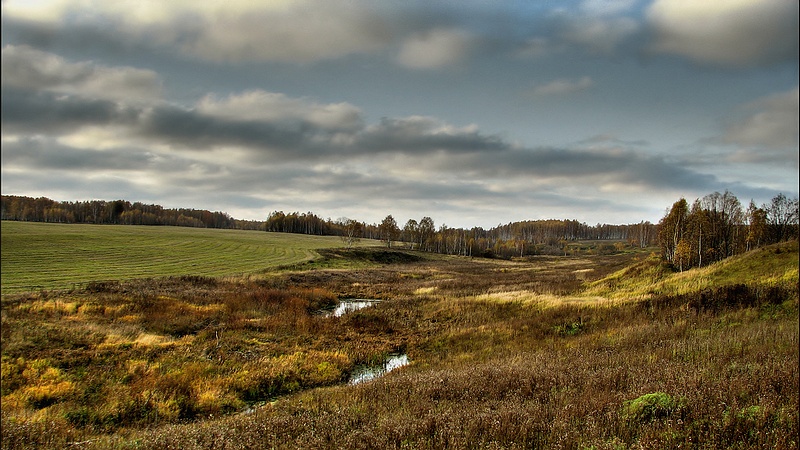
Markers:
(116, 212)
(711, 229)
(503, 241)
(514, 239)
(718, 226)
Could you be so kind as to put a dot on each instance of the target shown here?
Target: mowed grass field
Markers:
(58, 256)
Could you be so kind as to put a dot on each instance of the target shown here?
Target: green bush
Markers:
(651, 407)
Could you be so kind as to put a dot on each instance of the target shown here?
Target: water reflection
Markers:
(350, 305)
(368, 373)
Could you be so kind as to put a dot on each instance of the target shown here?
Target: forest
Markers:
(504, 240)
(710, 229)
(718, 226)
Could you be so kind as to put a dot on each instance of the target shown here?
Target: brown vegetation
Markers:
(504, 355)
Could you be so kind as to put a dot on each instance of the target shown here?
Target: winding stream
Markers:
(363, 374)
(367, 373)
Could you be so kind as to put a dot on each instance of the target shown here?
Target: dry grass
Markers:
(504, 355)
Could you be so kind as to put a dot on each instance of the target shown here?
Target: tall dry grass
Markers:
(173, 363)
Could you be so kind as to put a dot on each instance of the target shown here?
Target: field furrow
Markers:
(53, 256)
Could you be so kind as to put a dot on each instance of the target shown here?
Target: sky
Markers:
(474, 113)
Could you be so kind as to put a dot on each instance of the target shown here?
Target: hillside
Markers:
(773, 265)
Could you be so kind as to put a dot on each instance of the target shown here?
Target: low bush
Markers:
(649, 407)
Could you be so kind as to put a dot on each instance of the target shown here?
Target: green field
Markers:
(55, 256)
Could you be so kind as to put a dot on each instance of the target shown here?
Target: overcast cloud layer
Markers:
(472, 113)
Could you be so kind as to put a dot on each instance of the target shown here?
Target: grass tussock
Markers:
(497, 361)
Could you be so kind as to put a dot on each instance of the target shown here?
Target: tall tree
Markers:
(427, 231)
(697, 228)
(388, 230)
(726, 218)
(673, 227)
(782, 216)
(411, 232)
(756, 226)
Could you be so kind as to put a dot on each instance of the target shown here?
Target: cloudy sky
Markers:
(474, 113)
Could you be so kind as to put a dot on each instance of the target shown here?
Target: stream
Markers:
(367, 373)
(361, 374)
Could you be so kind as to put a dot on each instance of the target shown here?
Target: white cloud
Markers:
(562, 86)
(24, 67)
(434, 49)
(599, 34)
(302, 32)
(773, 124)
(275, 107)
(233, 31)
(730, 32)
(769, 132)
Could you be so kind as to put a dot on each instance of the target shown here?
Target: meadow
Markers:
(57, 256)
(603, 351)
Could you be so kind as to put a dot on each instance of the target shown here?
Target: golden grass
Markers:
(769, 266)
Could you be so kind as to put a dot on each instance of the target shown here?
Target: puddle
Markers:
(367, 373)
(349, 305)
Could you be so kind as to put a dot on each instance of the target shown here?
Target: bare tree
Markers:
(782, 214)
(352, 231)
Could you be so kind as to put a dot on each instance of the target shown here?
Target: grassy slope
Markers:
(54, 256)
(775, 265)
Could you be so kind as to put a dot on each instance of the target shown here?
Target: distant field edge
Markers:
(50, 256)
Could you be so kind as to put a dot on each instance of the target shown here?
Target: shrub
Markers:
(650, 407)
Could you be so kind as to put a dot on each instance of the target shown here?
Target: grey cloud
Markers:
(60, 185)
(435, 48)
(88, 42)
(259, 105)
(613, 166)
(562, 86)
(292, 139)
(27, 68)
(726, 33)
(415, 135)
(301, 32)
(42, 153)
(770, 122)
(33, 112)
(188, 129)
(610, 141)
(437, 145)
(38, 112)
